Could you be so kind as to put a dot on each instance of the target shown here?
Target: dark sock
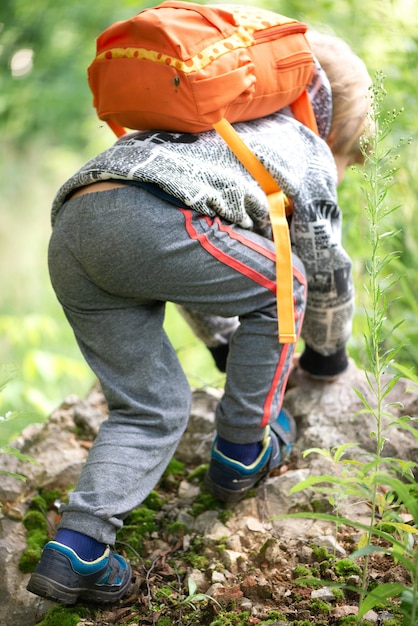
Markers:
(245, 453)
(220, 355)
(84, 546)
(320, 365)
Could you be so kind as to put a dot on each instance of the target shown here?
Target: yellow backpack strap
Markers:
(284, 273)
(277, 205)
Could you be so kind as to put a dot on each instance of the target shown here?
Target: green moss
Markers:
(194, 555)
(173, 474)
(275, 616)
(198, 473)
(174, 468)
(338, 593)
(373, 584)
(231, 619)
(319, 606)
(52, 496)
(305, 578)
(142, 520)
(204, 502)
(29, 559)
(348, 620)
(38, 503)
(137, 525)
(154, 501)
(176, 528)
(35, 520)
(351, 620)
(62, 616)
(225, 515)
(37, 536)
(164, 592)
(309, 582)
(346, 567)
(164, 621)
(36, 526)
(271, 541)
(323, 568)
(320, 553)
(196, 560)
(320, 505)
(301, 570)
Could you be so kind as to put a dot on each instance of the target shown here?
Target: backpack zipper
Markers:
(299, 59)
(279, 31)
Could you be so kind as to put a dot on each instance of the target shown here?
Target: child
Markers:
(173, 217)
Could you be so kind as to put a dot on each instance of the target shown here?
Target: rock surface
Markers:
(327, 414)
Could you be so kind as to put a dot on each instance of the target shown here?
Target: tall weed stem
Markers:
(378, 177)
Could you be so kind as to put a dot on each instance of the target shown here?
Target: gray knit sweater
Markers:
(201, 172)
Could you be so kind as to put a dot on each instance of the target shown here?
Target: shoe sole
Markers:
(47, 588)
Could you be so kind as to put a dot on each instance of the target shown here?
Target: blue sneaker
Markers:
(63, 577)
(229, 480)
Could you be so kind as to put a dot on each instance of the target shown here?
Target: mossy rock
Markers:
(37, 536)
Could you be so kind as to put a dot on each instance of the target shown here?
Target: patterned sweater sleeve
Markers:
(316, 234)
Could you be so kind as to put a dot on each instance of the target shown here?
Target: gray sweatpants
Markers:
(115, 258)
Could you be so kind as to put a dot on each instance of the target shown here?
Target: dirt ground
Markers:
(247, 579)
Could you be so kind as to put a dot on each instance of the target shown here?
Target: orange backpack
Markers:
(186, 67)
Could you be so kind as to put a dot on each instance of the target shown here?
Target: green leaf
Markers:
(192, 586)
(14, 475)
(378, 595)
(18, 455)
(316, 480)
(363, 541)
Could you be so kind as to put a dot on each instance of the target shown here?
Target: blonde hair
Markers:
(350, 86)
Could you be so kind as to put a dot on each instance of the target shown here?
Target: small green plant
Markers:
(379, 178)
(186, 605)
(193, 597)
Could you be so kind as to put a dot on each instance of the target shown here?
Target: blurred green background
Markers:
(48, 128)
